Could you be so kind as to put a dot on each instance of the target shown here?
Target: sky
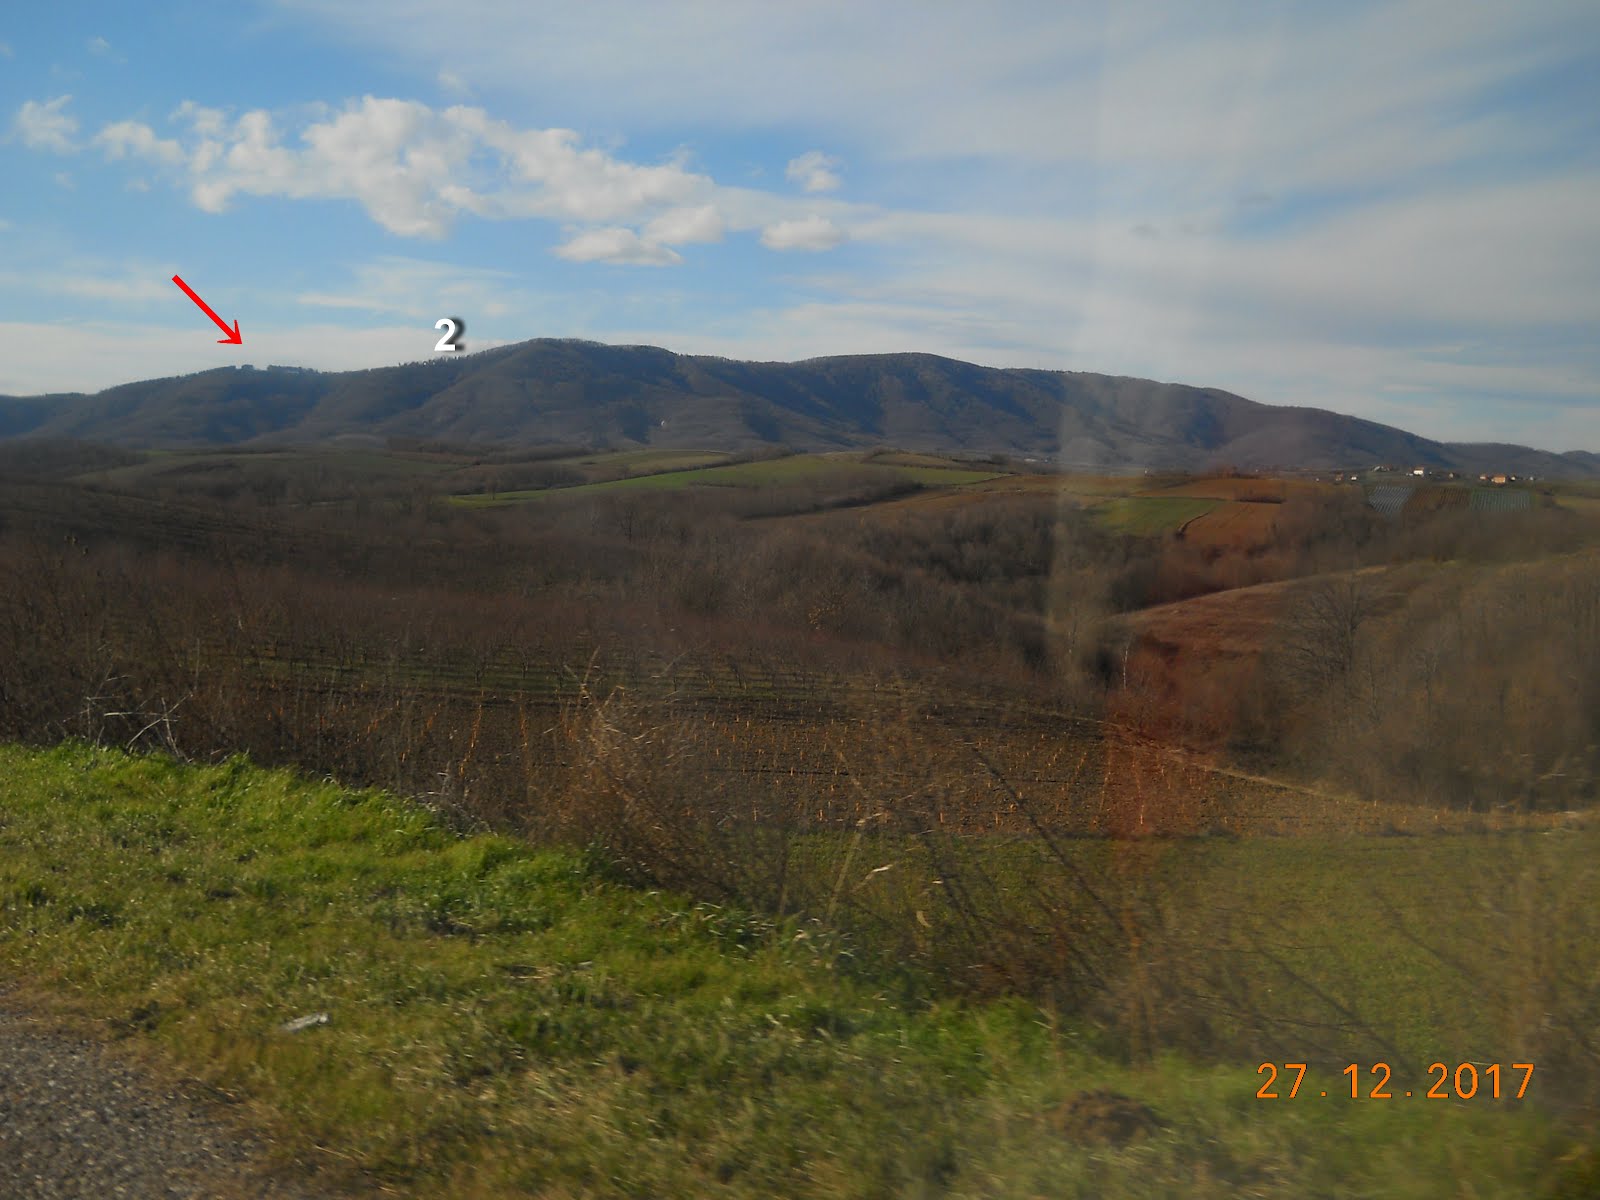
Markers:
(1390, 210)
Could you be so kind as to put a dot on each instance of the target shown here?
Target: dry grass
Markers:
(1260, 491)
(1233, 526)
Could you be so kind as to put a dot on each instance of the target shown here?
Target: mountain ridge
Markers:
(550, 390)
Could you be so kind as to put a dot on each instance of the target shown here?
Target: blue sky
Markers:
(1387, 209)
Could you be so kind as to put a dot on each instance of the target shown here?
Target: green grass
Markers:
(510, 1021)
(1428, 947)
(1148, 516)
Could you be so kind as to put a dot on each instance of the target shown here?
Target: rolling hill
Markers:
(557, 390)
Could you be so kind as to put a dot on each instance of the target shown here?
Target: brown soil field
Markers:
(1192, 660)
(905, 458)
(1235, 525)
(1269, 491)
(1230, 624)
(1437, 499)
(1072, 489)
(1064, 485)
(965, 496)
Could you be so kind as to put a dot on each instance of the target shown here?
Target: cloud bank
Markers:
(416, 170)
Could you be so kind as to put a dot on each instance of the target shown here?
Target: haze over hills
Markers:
(559, 390)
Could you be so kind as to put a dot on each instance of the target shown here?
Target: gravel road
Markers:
(77, 1121)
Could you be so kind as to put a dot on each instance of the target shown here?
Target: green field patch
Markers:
(1150, 516)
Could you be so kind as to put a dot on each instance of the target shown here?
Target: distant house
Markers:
(1420, 472)
(1498, 479)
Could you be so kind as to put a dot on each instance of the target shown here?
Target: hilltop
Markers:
(555, 390)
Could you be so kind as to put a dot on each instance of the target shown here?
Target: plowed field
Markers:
(1234, 525)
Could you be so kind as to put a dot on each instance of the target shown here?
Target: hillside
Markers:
(549, 390)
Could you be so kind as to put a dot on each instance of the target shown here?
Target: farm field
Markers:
(1588, 506)
(1501, 500)
(1149, 516)
(1268, 491)
(1434, 499)
(1390, 499)
(1233, 525)
(790, 470)
(648, 462)
(1231, 624)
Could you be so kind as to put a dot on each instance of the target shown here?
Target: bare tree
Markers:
(1318, 637)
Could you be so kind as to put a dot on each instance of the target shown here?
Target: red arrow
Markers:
(233, 337)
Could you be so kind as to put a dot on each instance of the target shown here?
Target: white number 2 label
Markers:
(454, 330)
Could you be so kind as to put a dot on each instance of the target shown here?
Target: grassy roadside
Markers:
(510, 1021)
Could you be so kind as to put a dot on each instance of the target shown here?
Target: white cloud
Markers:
(807, 233)
(415, 169)
(5, 51)
(564, 180)
(202, 121)
(90, 279)
(814, 171)
(117, 291)
(1193, 100)
(423, 291)
(99, 45)
(125, 138)
(392, 156)
(616, 245)
(64, 179)
(680, 225)
(453, 83)
(44, 126)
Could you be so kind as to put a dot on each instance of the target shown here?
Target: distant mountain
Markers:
(551, 390)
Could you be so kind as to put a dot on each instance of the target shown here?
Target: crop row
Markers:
(1501, 500)
(1390, 498)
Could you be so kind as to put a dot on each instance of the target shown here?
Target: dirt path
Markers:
(78, 1121)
